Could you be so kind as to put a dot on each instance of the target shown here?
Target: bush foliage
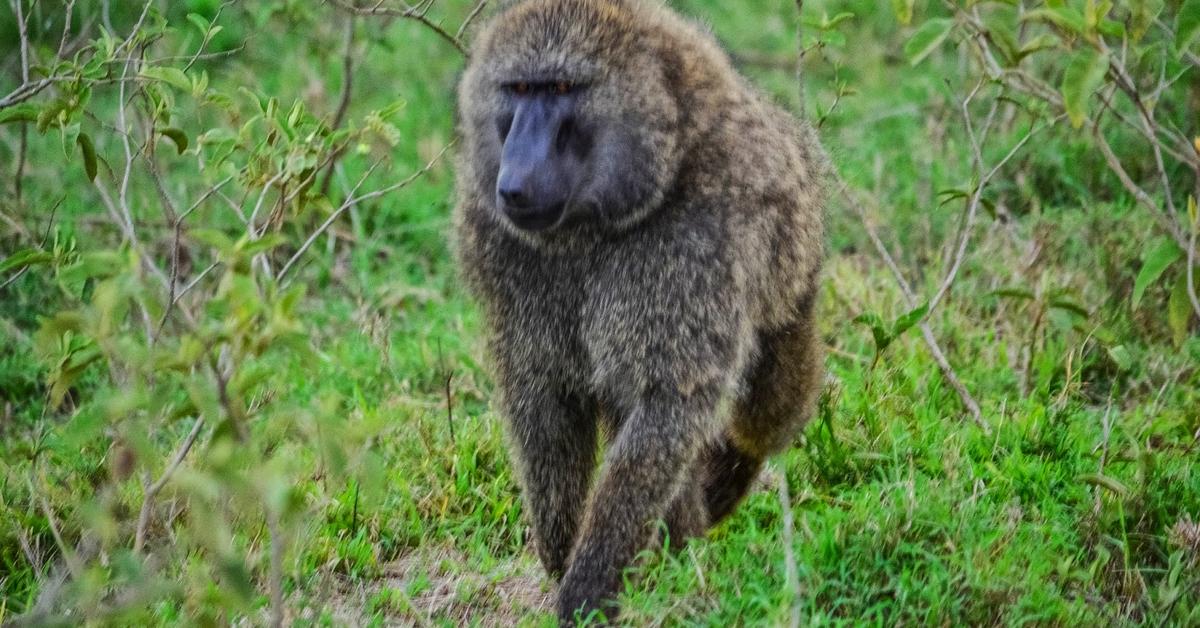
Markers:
(239, 381)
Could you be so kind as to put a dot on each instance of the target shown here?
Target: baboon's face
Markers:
(545, 154)
(569, 121)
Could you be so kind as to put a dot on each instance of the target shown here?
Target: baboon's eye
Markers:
(521, 88)
(562, 88)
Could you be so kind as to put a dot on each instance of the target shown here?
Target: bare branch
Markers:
(789, 542)
(25, 91)
(973, 206)
(352, 200)
(74, 565)
(172, 297)
(343, 107)
(910, 299)
(275, 571)
(1191, 270)
(417, 13)
(1140, 195)
(62, 42)
(462, 30)
(23, 34)
(150, 490)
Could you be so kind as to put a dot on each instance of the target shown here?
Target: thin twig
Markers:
(353, 200)
(1141, 196)
(255, 233)
(66, 31)
(417, 13)
(41, 245)
(207, 37)
(23, 33)
(73, 563)
(462, 30)
(1106, 432)
(789, 545)
(168, 205)
(150, 490)
(343, 107)
(172, 297)
(972, 211)
(449, 397)
(275, 572)
(910, 299)
(800, 57)
(1191, 270)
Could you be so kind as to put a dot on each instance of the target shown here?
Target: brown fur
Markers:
(681, 324)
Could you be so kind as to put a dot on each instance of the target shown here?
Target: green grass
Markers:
(905, 512)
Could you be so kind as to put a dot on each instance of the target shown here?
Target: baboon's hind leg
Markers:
(782, 391)
(727, 477)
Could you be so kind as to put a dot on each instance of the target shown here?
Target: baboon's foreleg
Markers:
(687, 516)
(641, 473)
(555, 442)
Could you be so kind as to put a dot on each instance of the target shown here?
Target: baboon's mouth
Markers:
(535, 219)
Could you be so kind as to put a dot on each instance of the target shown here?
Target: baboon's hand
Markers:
(575, 601)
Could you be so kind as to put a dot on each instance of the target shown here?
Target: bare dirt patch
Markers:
(432, 585)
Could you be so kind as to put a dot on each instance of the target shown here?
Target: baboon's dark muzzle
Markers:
(535, 178)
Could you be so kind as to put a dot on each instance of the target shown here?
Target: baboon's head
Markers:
(569, 115)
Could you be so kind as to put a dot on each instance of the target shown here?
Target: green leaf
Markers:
(878, 330)
(903, 10)
(171, 76)
(262, 245)
(927, 39)
(1068, 305)
(24, 112)
(1042, 42)
(1095, 17)
(1111, 28)
(1021, 294)
(1104, 481)
(89, 155)
(249, 376)
(1187, 25)
(52, 114)
(1121, 357)
(200, 22)
(906, 322)
(1142, 14)
(1155, 261)
(1064, 17)
(24, 257)
(829, 23)
(177, 136)
(214, 239)
(1083, 77)
(1179, 309)
(96, 264)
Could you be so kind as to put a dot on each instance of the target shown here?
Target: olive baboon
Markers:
(644, 232)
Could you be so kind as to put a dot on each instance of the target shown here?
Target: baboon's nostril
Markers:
(514, 197)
